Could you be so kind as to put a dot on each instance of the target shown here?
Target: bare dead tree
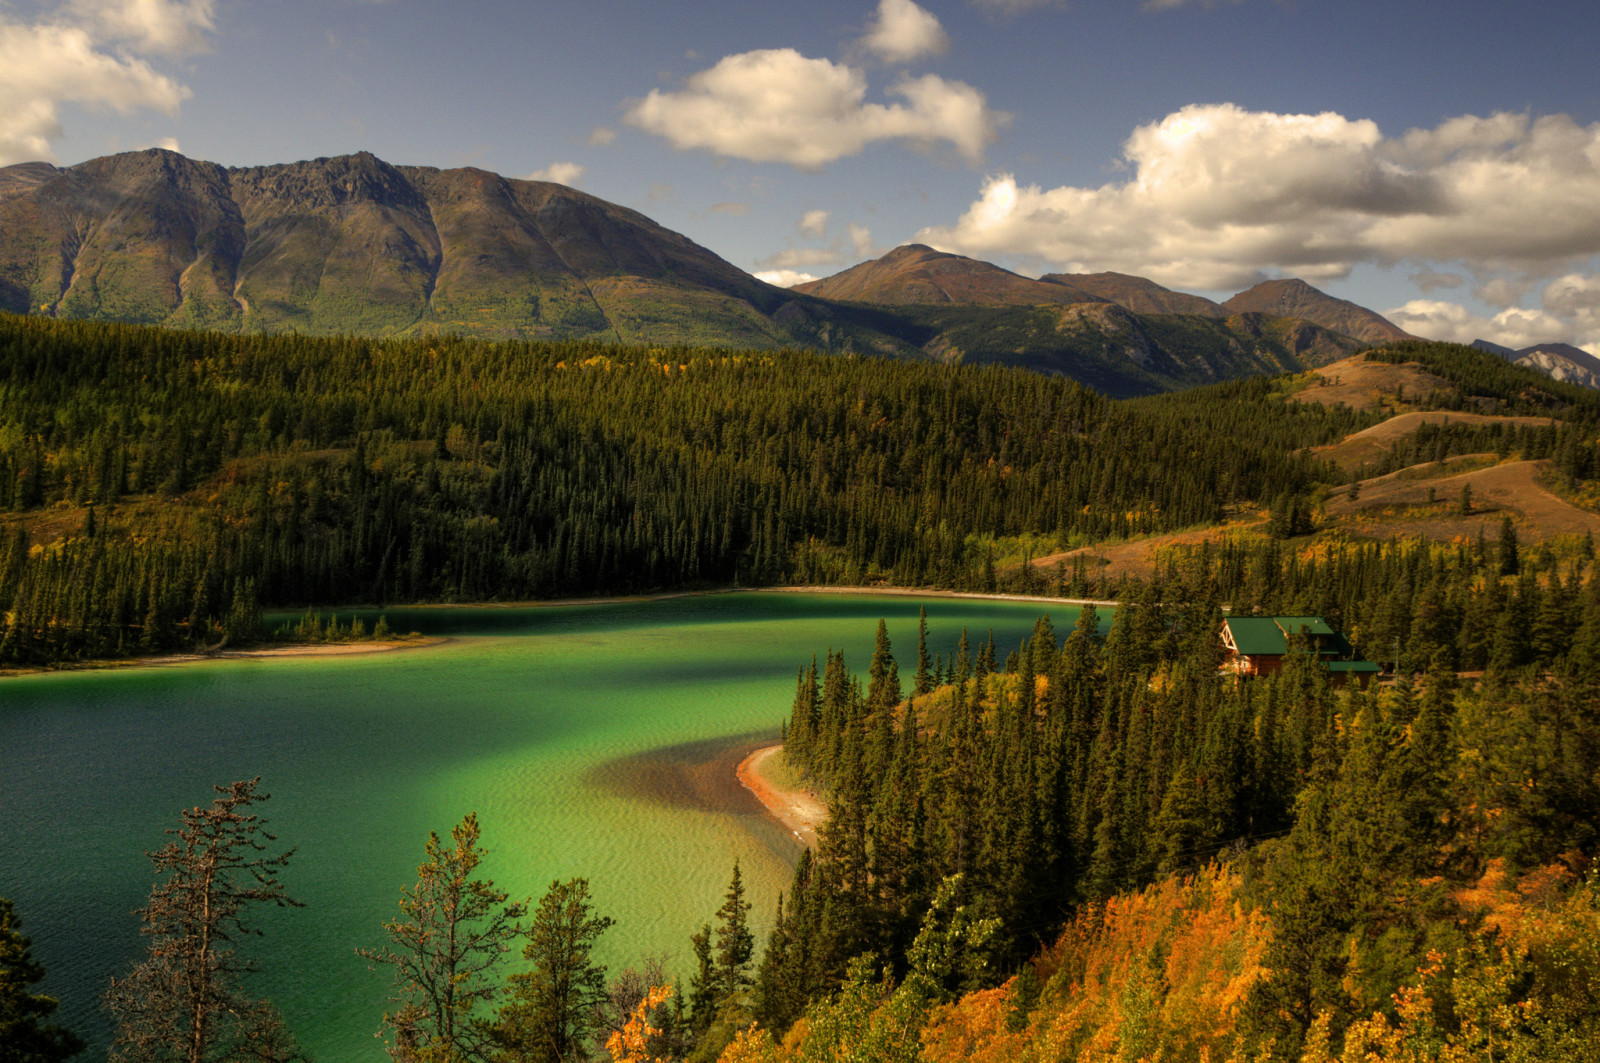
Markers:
(185, 1000)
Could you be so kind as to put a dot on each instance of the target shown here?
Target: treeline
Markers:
(1084, 767)
(336, 471)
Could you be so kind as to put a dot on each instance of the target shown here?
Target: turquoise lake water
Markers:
(592, 740)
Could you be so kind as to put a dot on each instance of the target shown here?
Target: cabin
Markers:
(1257, 645)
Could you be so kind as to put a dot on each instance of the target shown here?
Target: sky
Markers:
(1439, 163)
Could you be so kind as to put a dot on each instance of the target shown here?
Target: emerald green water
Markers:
(591, 740)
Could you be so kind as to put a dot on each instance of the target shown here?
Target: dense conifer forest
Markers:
(167, 485)
(1092, 846)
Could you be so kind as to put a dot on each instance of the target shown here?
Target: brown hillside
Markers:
(1361, 384)
(1397, 504)
(1371, 444)
(1296, 298)
(916, 274)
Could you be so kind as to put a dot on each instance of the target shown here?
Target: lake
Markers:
(592, 740)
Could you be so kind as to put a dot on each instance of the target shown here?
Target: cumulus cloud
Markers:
(163, 27)
(901, 31)
(790, 257)
(600, 136)
(776, 105)
(561, 173)
(861, 241)
(736, 209)
(814, 223)
(1513, 327)
(47, 64)
(1217, 197)
(783, 278)
(1576, 299)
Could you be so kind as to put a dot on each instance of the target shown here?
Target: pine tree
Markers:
(553, 1007)
(26, 1033)
(446, 951)
(735, 943)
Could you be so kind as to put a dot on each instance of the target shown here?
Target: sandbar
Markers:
(801, 811)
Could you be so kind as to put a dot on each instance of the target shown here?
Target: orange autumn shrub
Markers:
(1154, 975)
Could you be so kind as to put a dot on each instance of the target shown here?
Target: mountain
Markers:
(1296, 298)
(354, 244)
(917, 274)
(1561, 361)
(357, 245)
(1137, 294)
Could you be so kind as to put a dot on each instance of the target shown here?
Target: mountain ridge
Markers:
(355, 245)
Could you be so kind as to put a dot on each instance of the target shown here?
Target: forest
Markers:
(159, 488)
(1091, 846)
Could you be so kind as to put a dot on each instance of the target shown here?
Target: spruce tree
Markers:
(26, 1033)
(553, 1007)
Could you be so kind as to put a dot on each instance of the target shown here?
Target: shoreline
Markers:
(800, 811)
(347, 649)
(662, 596)
(325, 649)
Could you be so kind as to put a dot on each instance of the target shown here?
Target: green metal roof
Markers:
(1314, 625)
(1257, 634)
(1352, 666)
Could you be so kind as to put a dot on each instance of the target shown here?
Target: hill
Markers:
(917, 274)
(1296, 298)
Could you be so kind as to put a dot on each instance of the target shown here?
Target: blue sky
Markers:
(1437, 162)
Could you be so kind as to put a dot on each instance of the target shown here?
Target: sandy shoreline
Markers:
(327, 649)
(800, 811)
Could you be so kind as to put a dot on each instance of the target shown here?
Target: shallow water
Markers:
(593, 740)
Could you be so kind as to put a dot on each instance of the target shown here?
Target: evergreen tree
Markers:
(446, 951)
(26, 1033)
(552, 1008)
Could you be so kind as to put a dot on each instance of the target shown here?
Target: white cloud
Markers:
(736, 209)
(1513, 327)
(164, 27)
(45, 65)
(783, 278)
(1218, 196)
(169, 144)
(861, 241)
(814, 224)
(600, 136)
(1576, 299)
(561, 173)
(777, 105)
(790, 257)
(901, 31)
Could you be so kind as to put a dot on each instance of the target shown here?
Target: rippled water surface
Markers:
(593, 740)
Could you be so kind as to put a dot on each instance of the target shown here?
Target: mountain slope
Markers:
(1296, 298)
(356, 245)
(917, 274)
(353, 244)
(1137, 294)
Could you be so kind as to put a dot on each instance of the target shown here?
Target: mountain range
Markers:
(356, 245)
(1562, 361)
